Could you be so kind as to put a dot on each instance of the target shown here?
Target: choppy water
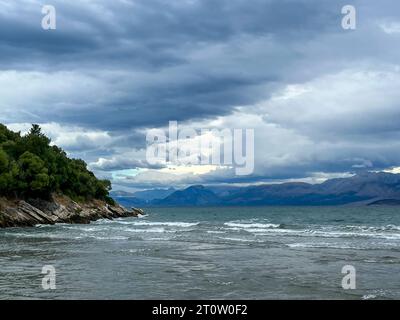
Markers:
(209, 253)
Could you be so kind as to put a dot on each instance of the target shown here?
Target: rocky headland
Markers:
(58, 209)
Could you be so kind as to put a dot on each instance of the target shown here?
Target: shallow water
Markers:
(209, 253)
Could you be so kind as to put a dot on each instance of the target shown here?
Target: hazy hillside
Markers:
(366, 188)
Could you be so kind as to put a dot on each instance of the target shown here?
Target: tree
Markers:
(36, 142)
(33, 174)
(30, 167)
(4, 175)
(4, 161)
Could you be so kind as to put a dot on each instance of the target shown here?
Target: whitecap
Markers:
(252, 225)
(369, 297)
(167, 223)
(321, 245)
(109, 238)
(236, 239)
(149, 230)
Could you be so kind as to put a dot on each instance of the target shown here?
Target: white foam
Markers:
(149, 230)
(109, 238)
(252, 225)
(340, 234)
(168, 224)
(320, 245)
(389, 227)
(236, 239)
(369, 297)
(329, 232)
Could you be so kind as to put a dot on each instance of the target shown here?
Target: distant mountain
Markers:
(192, 196)
(144, 198)
(362, 189)
(359, 188)
(119, 193)
(223, 191)
(145, 194)
(154, 194)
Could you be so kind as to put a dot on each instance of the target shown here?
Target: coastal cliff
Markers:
(58, 209)
(40, 184)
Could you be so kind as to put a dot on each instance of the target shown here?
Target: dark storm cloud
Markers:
(146, 29)
(123, 66)
(159, 38)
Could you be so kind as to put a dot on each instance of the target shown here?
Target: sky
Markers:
(323, 101)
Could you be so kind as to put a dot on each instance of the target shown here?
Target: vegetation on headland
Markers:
(30, 167)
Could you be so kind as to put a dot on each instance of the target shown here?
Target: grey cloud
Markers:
(193, 47)
(123, 66)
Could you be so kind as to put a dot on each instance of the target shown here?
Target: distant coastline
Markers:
(364, 189)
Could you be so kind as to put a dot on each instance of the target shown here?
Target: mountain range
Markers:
(367, 188)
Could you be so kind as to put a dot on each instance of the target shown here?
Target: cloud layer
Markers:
(322, 100)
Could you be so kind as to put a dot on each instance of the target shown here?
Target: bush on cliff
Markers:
(31, 167)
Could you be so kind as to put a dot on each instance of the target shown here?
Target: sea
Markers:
(209, 253)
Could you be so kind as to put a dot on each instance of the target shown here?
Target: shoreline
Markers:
(59, 209)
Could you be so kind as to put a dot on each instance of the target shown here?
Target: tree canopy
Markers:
(31, 167)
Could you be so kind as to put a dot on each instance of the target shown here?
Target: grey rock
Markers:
(59, 209)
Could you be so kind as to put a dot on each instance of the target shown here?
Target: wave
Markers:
(85, 228)
(388, 232)
(389, 227)
(107, 237)
(369, 297)
(237, 239)
(253, 226)
(167, 223)
(322, 245)
(376, 294)
(149, 230)
(334, 234)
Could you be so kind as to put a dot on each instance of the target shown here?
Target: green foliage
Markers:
(31, 167)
